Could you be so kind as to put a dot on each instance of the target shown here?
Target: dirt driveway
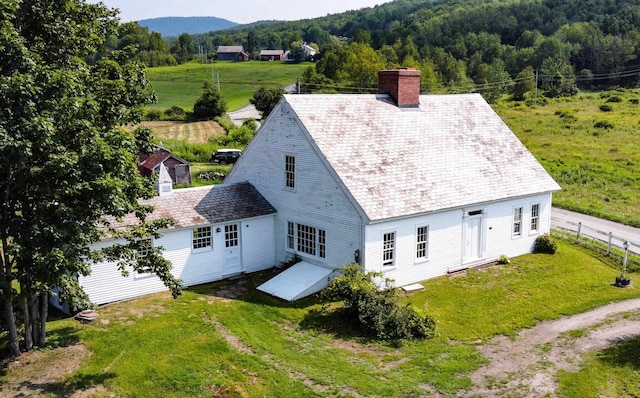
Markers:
(526, 366)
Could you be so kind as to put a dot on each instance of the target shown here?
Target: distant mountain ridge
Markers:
(175, 26)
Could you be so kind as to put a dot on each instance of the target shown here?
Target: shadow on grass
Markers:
(65, 388)
(62, 337)
(338, 323)
(622, 353)
(244, 287)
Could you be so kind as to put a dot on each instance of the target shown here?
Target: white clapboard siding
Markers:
(106, 284)
(318, 199)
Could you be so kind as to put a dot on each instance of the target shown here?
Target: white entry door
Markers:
(473, 239)
(232, 257)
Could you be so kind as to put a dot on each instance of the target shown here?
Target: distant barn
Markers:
(271, 55)
(179, 169)
(232, 53)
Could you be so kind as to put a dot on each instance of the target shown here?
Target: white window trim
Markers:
(144, 273)
(394, 251)
(320, 247)
(514, 234)
(205, 248)
(286, 172)
(424, 258)
(531, 217)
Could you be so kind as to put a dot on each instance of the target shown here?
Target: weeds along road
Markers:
(568, 220)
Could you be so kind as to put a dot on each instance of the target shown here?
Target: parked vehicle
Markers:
(226, 156)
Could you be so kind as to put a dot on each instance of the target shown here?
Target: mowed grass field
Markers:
(229, 340)
(182, 85)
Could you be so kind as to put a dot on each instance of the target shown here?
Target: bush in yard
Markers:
(175, 113)
(153, 115)
(370, 299)
(544, 244)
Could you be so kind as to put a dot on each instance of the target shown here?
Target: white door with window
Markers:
(472, 239)
(232, 256)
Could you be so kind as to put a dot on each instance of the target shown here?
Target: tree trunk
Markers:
(28, 340)
(35, 318)
(9, 316)
(44, 314)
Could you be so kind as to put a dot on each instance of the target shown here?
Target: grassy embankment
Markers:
(201, 345)
(598, 168)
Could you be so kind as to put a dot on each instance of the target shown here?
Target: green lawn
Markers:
(201, 345)
(182, 85)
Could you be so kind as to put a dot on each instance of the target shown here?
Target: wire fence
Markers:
(607, 242)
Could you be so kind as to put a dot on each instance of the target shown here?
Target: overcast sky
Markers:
(240, 11)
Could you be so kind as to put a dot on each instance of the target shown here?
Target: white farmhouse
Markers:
(414, 186)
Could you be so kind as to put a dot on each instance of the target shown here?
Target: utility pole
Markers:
(535, 101)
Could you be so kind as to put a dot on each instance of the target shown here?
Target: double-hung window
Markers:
(422, 242)
(290, 171)
(306, 239)
(202, 237)
(535, 217)
(388, 249)
(517, 221)
(143, 247)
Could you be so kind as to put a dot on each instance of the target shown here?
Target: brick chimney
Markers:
(403, 85)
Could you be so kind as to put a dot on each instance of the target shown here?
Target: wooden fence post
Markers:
(579, 228)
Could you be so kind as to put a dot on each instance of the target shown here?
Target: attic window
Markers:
(290, 171)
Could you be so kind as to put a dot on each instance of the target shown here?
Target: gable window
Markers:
(143, 248)
(201, 237)
(388, 249)
(306, 239)
(517, 221)
(290, 171)
(535, 217)
(422, 242)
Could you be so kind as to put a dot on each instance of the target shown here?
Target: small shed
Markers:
(178, 168)
(232, 53)
(271, 55)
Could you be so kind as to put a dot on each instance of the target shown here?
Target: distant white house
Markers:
(414, 186)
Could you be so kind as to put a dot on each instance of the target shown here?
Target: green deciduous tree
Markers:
(211, 103)
(265, 99)
(67, 165)
(525, 82)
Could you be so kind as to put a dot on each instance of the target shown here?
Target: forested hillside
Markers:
(493, 47)
(487, 46)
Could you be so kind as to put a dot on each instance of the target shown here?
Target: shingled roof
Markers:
(448, 152)
(194, 207)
